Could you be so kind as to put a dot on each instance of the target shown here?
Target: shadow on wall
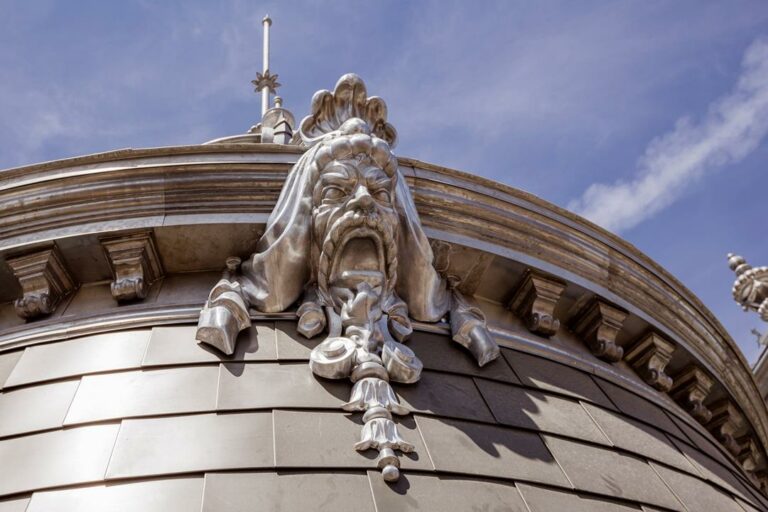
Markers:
(454, 419)
(466, 420)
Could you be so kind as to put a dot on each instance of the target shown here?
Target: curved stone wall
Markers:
(235, 186)
(149, 420)
(617, 389)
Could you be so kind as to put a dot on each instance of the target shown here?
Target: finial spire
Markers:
(750, 289)
(738, 264)
(265, 81)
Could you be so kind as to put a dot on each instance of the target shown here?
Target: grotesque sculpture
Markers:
(344, 243)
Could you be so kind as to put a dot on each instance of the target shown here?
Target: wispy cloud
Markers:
(732, 128)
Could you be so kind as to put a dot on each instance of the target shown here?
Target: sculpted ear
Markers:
(418, 283)
(273, 277)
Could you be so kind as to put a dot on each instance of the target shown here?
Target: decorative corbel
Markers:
(649, 358)
(691, 387)
(44, 281)
(726, 420)
(598, 325)
(535, 301)
(762, 479)
(749, 455)
(135, 264)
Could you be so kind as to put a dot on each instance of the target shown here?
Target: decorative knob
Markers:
(738, 264)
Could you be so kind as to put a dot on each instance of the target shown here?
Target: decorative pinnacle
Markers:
(266, 80)
(738, 264)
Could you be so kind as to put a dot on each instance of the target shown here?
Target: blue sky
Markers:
(649, 117)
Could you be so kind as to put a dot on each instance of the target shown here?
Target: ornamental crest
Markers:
(750, 289)
(345, 245)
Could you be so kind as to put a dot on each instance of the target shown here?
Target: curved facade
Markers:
(615, 389)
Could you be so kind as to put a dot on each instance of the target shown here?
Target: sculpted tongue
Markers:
(359, 262)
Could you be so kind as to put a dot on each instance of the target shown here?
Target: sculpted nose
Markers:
(361, 200)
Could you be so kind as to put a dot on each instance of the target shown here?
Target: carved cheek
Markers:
(391, 219)
(334, 213)
(323, 218)
(320, 218)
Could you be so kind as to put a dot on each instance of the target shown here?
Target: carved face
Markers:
(354, 224)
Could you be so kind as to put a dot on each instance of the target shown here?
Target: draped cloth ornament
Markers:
(345, 244)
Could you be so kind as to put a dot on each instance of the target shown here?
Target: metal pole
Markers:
(266, 22)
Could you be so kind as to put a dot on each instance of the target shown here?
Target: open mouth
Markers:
(358, 258)
(357, 249)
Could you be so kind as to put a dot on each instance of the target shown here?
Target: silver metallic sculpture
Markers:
(751, 286)
(345, 244)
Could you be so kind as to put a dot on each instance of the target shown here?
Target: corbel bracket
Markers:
(691, 387)
(726, 420)
(135, 264)
(44, 281)
(598, 325)
(749, 455)
(535, 301)
(649, 358)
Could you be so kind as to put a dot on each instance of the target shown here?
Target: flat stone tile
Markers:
(605, 471)
(747, 490)
(746, 506)
(520, 407)
(238, 492)
(35, 408)
(203, 442)
(145, 393)
(550, 376)
(327, 439)
(639, 438)
(477, 449)
(291, 345)
(273, 385)
(177, 345)
(176, 494)
(7, 361)
(415, 492)
(101, 353)
(640, 408)
(445, 395)
(756, 497)
(61, 457)
(542, 499)
(696, 494)
(439, 352)
(703, 441)
(187, 288)
(15, 505)
(711, 470)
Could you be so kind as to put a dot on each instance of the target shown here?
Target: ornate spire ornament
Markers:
(345, 244)
(265, 81)
(277, 123)
(750, 289)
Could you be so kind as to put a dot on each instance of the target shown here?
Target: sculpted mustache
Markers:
(352, 220)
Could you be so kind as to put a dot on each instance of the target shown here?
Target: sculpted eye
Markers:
(333, 193)
(381, 196)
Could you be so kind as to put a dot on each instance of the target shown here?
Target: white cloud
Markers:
(732, 128)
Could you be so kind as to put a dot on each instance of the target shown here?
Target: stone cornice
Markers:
(193, 184)
(512, 222)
